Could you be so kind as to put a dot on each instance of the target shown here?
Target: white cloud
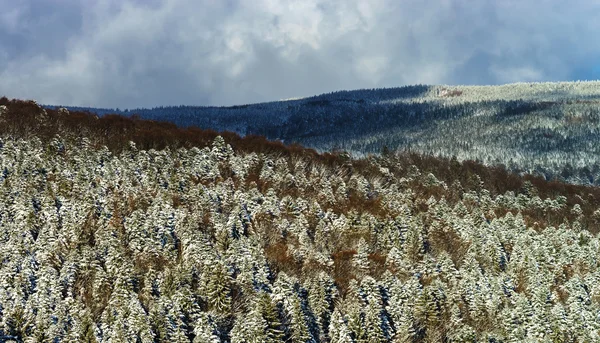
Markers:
(129, 53)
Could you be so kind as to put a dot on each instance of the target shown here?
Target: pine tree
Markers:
(205, 329)
(270, 314)
(361, 259)
(338, 328)
(322, 293)
(296, 317)
(260, 324)
(217, 290)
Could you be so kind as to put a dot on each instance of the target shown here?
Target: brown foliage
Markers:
(342, 270)
(115, 131)
(474, 176)
(280, 260)
(377, 264)
(446, 93)
(448, 240)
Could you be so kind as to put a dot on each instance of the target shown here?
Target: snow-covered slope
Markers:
(549, 128)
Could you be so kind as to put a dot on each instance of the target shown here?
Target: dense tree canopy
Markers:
(121, 230)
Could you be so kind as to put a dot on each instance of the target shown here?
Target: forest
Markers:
(121, 229)
(547, 129)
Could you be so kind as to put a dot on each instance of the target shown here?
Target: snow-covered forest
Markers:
(124, 230)
(551, 129)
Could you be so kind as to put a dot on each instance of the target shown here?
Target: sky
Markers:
(146, 53)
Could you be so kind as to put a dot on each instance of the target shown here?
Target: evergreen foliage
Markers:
(234, 239)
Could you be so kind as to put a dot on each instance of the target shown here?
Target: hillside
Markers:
(117, 229)
(551, 129)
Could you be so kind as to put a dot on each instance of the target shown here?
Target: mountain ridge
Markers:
(544, 128)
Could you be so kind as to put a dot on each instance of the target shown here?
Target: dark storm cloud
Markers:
(115, 53)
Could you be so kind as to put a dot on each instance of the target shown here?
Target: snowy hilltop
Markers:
(551, 129)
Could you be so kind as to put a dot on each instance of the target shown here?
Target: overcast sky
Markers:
(145, 53)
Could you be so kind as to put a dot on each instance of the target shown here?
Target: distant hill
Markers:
(552, 129)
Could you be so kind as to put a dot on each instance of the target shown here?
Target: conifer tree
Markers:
(205, 329)
(338, 328)
(361, 259)
(217, 290)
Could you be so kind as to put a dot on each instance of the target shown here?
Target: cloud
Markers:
(134, 53)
